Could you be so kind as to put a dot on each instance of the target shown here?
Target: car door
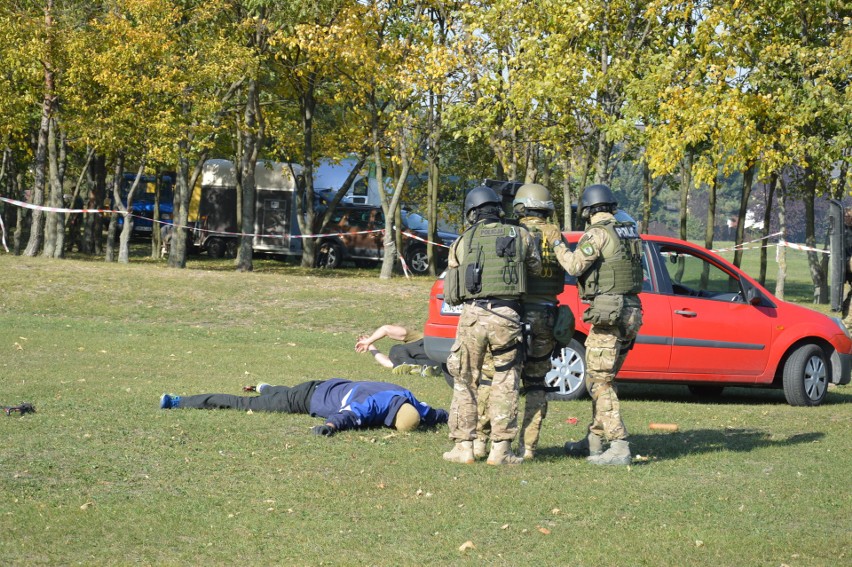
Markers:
(714, 330)
(651, 352)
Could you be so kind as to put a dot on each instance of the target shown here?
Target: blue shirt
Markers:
(348, 405)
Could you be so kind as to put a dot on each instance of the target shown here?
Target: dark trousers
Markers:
(410, 353)
(285, 399)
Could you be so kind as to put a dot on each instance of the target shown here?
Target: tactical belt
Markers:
(489, 304)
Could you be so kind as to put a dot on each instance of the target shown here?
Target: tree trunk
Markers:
(685, 186)
(748, 177)
(47, 108)
(127, 229)
(433, 153)
(252, 137)
(118, 173)
(817, 275)
(180, 210)
(767, 218)
(781, 252)
(93, 222)
(710, 228)
(54, 243)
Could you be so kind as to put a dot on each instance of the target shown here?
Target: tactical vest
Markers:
(551, 282)
(493, 263)
(618, 270)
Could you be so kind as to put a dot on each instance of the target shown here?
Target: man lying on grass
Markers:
(344, 404)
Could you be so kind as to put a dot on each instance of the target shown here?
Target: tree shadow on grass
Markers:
(670, 446)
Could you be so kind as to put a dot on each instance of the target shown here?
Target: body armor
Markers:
(493, 263)
(618, 270)
(551, 282)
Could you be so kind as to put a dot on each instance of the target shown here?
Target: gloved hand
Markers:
(441, 416)
(324, 430)
(552, 233)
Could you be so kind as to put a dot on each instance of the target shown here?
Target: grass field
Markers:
(101, 476)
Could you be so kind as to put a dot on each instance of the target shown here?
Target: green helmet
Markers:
(532, 196)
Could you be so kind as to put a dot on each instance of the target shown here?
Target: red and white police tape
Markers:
(224, 233)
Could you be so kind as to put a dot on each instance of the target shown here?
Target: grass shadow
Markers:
(697, 441)
(670, 446)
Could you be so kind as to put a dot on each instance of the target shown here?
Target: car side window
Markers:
(694, 276)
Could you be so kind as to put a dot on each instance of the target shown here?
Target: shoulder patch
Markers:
(587, 249)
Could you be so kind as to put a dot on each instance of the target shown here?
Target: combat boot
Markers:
(461, 453)
(480, 448)
(501, 454)
(590, 446)
(527, 452)
(617, 454)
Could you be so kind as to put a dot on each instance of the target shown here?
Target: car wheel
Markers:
(705, 391)
(329, 256)
(231, 248)
(806, 375)
(215, 247)
(567, 373)
(417, 260)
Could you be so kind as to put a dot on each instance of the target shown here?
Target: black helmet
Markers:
(598, 194)
(478, 196)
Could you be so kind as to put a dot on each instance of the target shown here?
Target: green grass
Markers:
(101, 476)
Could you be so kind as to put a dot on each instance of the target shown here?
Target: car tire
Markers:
(417, 260)
(568, 373)
(232, 246)
(706, 391)
(806, 376)
(215, 247)
(329, 256)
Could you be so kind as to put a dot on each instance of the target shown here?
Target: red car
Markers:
(707, 325)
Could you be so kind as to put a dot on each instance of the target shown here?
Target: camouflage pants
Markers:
(605, 352)
(537, 365)
(479, 331)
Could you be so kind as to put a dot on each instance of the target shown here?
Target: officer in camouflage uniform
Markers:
(487, 273)
(534, 205)
(608, 266)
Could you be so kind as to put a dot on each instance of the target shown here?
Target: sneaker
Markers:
(405, 368)
(261, 387)
(169, 401)
(431, 371)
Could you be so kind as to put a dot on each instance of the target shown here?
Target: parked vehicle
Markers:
(145, 200)
(707, 325)
(213, 209)
(357, 233)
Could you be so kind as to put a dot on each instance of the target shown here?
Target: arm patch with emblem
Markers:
(585, 246)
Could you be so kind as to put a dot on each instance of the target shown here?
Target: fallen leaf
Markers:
(504, 526)
(87, 505)
(571, 421)
(545, 531)
(555, 511)
(699, 543)
(467, 545)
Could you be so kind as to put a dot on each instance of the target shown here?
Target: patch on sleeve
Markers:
(587, 249)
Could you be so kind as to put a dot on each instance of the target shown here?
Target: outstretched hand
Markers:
(324, 430)
(362, 344)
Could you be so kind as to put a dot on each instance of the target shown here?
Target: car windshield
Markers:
(414, 221)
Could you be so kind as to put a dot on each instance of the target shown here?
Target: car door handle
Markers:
(685, 313)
